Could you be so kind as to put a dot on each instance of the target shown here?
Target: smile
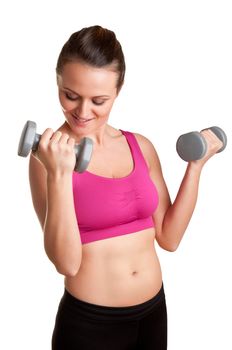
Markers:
(81, 119)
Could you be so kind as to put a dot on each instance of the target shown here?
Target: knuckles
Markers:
(56, 149)
(65, 135)
(48, 131)
(214, 144)
(56, 142)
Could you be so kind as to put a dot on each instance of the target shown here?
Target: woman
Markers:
(99, 226)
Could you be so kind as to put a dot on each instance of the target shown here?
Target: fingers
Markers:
(214, 144)
(71, 141)
(57, 136)
(46, 137)
(49, 136)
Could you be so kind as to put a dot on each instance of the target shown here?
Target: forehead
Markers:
(83, 78)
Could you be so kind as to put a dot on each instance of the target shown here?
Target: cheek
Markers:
(66, 105)
(106, 109)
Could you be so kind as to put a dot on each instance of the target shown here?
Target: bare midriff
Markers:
(118, 271)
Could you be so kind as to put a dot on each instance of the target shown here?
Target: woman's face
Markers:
(86, 95)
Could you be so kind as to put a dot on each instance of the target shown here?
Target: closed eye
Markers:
(69, 97)
(98, 103)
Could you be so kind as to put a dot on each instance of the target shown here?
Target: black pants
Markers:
(81, 325)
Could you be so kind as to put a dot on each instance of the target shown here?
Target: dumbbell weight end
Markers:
(83, 153)
(191, 146)
(29, 140)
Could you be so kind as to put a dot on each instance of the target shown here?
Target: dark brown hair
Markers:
(95, 46)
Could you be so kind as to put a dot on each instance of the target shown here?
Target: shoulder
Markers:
(148, 150)
(143, 141)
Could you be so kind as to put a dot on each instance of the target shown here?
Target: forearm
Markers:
(61, 234)
(180, 212)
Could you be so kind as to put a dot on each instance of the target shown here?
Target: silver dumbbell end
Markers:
(83, 154)
(191, 146)
(28, 139)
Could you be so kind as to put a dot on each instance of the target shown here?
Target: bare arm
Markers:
(171, 220)
(178, 215)
(52, 197)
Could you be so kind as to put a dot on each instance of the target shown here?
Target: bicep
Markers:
(38, 186)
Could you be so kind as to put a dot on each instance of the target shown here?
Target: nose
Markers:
(83, 110)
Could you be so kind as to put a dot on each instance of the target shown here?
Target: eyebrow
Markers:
(79, 94)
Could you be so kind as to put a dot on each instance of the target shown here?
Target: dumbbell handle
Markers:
(29, 140)
(86, 143)
(193, 146)
(37, 140)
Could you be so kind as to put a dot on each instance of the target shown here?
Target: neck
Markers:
(100, 136)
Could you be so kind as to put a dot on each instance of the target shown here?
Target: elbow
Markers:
(66, 264)
(69, 267)
(166, 245)
(68, 271)
(171, 248)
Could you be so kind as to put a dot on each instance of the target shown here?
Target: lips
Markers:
(80, 120)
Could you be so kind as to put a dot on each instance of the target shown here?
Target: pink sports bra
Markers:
(109, 207)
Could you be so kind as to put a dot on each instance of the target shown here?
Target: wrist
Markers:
(58, 176)
(195, 166)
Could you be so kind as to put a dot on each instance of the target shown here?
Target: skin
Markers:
(93, 92)
(123, 270)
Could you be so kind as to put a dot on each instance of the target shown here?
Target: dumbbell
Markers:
(193, 146)
(29, 141)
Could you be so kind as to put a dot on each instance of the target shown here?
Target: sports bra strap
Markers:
(135, 149)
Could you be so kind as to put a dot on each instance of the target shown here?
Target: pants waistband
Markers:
(108, 313)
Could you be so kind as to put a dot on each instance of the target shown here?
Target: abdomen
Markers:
(119, 271)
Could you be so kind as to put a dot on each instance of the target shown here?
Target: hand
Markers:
(214, 144)
(56, 152)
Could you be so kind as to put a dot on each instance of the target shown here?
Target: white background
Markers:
(179, 79)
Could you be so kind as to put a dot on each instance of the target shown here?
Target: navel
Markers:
(134, 273)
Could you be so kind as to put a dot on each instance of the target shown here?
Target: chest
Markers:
(102, 202)
(116, 162)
